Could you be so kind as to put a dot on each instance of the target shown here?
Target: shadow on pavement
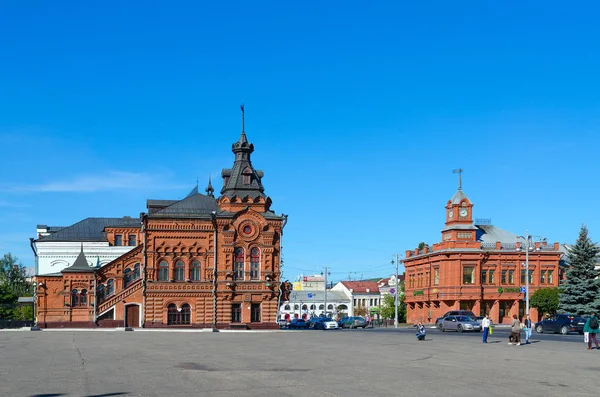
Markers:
(91, 395)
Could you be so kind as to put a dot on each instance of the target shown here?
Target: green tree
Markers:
(388, 306)
(13, 284)
(545, 300)
(13, 275)
(580, 292)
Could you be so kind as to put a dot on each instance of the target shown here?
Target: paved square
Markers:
(305, 363)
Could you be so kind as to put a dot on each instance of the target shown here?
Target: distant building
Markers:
(306, 304)
(361, 294)
(476, 267)
(386, 285)
(310, 283)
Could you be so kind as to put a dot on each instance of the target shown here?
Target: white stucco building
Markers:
(361, 294)
(306, 304)
(57, 247)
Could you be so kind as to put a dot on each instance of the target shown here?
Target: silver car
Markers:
(460, 324)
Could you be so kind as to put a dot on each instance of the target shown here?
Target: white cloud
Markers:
(110, 180)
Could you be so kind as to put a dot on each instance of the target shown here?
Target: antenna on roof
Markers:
(459, 171)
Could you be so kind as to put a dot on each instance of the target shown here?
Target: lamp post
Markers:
(396, 294)
(325, 273)
(528, 241)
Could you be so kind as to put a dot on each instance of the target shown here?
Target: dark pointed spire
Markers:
(209, 189)
(80, 264)
(242, 109)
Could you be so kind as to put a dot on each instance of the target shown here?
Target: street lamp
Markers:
(528, 246)
(396, 294)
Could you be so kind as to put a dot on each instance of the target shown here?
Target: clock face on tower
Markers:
(463, 213)
(450, 214)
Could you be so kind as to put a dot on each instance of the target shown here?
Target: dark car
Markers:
(298, 323)
(310, 323)
(468, 313)
(341, 321)
(355, 322)
(563, 323)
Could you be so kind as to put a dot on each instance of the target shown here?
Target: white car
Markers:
(329, 324)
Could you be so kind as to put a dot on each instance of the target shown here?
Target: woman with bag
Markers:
(515, 334)
(592, 328)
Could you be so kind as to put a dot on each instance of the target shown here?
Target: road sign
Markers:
(392, 291)
(522, 290)
(309, 296)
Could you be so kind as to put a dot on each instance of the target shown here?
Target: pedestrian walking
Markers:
(486, 324)
(527, 328)
(515, 331)
(592, 327)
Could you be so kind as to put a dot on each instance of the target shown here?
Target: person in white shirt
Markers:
(486, 323)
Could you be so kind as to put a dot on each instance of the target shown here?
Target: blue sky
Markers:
(358, 114)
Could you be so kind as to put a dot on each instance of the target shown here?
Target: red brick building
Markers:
(476, 267)
(199, 262)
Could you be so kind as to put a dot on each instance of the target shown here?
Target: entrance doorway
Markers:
(132, 316)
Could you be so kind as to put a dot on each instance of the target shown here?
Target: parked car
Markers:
(355, 322)
(283, 323)
(468, 313)
(563, 323)
(326, 323)
(341, 321)
(310, 323)
(460, 324)
(297, 323)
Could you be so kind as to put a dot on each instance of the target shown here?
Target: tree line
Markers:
(14, 284)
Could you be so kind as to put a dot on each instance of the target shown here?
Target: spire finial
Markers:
(459, 171)
(209, 189)
(242, 109)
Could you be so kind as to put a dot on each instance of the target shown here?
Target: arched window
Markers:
(186, 314)
(74, 298)
(171, 314)
(100, 293)
(329, 307)
(179, 271)
(126, 277)
(321, 307)
(296, 307)
(195, 276)
(238, 264)
(286, 307)
(304, 307)
(163, 271)
(254, 263)
(110, 287)
(312, 307)
(178, 316)
(83, 298)
(136, 271)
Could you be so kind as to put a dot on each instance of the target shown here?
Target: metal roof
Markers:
(89, 229)
(196, 204)
(458, 197)
(234, 183)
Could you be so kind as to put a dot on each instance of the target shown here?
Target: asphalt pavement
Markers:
(371, 362)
